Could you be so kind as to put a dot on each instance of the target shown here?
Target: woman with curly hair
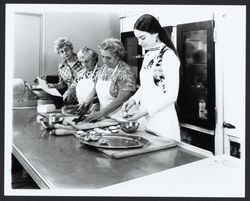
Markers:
(115, 82)
(67, 70)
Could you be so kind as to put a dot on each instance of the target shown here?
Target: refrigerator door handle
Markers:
(228, 125)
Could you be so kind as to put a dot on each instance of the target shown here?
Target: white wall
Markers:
(27, 46)
(83, 29)
(168, 15)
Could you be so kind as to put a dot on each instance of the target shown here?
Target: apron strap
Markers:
(113, 71)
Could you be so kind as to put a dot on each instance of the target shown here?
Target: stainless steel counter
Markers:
(61, 162)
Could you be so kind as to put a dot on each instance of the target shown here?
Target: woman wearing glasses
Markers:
(115, 82)
(67, 69)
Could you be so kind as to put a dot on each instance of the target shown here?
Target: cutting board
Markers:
(86, 126)
(156, 143)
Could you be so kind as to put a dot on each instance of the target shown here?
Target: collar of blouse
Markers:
(157, 46)
(107, 72)
(74, 60)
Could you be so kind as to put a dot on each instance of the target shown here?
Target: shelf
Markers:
(196, 128)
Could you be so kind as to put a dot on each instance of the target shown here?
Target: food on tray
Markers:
(80, 132)
(112, 127)
(86, 138)
(91, 137)
(94, 137)
(103, 141)
(114, 130)
(106, 132)
(98, 130)
(92, 132)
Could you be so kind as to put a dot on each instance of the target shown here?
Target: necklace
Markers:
(157, 46)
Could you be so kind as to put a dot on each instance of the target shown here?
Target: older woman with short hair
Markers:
(115, 81)
(67, 70)
(86, 78)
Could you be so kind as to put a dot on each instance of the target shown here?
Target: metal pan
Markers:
(116, 141)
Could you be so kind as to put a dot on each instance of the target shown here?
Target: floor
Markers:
(20, 178)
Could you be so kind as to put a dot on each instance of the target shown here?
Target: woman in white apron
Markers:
(115, 83)
(153, 105)
(85, 81)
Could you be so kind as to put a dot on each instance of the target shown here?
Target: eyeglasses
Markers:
(63, 50)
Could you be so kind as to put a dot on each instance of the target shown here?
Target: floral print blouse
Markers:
(85, 74)
(123, 79)
(67, 73)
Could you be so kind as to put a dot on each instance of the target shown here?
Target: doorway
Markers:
(28, 46)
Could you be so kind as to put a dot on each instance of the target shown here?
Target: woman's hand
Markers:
(81, 107)
(68, 96)
(94, 116)
(133, 111)
(127, 105)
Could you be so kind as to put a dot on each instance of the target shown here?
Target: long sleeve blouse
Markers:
(167, 82)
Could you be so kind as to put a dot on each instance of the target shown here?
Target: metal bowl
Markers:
(56, 118)
(45, 123)
(129, 126)
(48, 123)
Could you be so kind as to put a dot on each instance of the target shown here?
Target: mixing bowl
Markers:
(129, 126)
(55, 118)
(52, 119)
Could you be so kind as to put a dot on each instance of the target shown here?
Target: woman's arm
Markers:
(121, 98)
(60, 85)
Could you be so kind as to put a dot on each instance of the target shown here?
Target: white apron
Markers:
(104, 96)
(84, 87)
(165, 122)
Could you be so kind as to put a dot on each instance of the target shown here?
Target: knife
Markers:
(83, 112)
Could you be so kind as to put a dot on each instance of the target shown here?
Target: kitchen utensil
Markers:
(51, 120)
(156, 143)
(83, 112)
(129, 126)
(46, 124)
(55, 118)
(116, 141)
(22, 97)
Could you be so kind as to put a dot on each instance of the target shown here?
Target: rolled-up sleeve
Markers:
(126, 80)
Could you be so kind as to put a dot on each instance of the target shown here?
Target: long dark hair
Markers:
(151, 25)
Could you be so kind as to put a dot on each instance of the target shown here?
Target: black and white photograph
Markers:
(125, 100)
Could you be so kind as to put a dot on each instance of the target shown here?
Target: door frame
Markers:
(41, 40)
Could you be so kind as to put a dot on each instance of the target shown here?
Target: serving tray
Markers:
(117, 141)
